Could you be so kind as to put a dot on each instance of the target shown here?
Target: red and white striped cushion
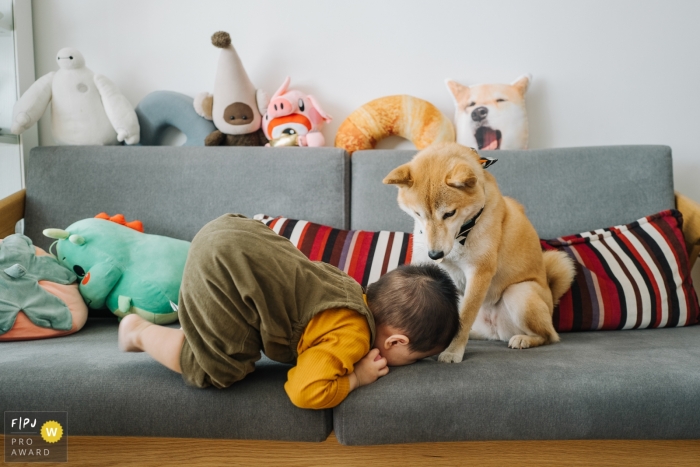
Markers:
(364, 256)
(632, 276)
(627, 277)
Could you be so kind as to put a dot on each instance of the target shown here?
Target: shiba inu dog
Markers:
(486, 243)
(491, 116)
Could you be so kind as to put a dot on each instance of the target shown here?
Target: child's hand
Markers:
(371, 367)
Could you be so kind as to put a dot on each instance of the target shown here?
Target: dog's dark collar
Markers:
(487, 162)
(467, 227)
(464, 230)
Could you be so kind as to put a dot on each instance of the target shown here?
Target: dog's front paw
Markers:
(519, 342)
(450, 357)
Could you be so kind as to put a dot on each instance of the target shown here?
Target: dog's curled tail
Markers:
(560, 273)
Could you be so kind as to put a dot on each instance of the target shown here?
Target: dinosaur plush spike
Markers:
(121, 220)
(118, 218)
(57, 234)
(77, 239)
(123, 268)
(136, 225)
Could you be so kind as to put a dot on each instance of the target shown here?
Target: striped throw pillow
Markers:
(364, 256)
(632, 276)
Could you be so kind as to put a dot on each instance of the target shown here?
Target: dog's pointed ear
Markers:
(461, 176)
(521, 84)
(401, 176)
(460, 93)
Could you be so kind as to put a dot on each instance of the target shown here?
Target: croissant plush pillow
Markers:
(416, 120)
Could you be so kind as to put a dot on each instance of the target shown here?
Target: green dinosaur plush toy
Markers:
(125, 269)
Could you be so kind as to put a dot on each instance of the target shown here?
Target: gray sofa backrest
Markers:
(176, 190)
(564, 191)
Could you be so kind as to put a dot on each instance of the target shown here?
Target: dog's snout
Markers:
(435, 255)
(479, 114)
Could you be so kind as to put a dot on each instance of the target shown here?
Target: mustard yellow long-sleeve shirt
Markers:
(333, 341)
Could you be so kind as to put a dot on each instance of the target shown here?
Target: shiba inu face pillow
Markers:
(491, 116)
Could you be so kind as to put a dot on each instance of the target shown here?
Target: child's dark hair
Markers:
(421, 301)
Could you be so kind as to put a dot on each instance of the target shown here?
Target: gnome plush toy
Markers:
(236, 108)
(86, 108)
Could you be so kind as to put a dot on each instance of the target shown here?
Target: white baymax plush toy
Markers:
(86, 108)
(491, 116)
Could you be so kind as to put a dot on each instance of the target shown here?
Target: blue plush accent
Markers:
(20, 273)
(162, 109)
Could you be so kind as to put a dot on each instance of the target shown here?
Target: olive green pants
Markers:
(246, 289)
(221, 343)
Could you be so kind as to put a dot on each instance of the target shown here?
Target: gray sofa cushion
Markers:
(110, 393)
(639, 384)
(564, 191)
(176, 190)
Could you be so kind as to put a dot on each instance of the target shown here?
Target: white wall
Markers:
(8, 85)
(605, 72)
(10, 167)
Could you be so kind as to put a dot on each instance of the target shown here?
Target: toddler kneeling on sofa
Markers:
(246, 289)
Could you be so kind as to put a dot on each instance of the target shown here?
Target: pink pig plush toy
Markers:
(294, 119)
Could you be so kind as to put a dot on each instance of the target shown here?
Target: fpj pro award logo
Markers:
(36, 437)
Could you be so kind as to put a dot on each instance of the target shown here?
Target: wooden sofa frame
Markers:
(102, 451)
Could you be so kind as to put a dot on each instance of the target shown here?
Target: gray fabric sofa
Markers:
(595, 385)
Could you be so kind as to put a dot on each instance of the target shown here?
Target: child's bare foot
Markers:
(130, 329)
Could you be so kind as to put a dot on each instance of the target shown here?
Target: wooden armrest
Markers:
(691, 225)
(11, 211)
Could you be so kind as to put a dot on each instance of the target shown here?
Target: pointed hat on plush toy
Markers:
(235, 109)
